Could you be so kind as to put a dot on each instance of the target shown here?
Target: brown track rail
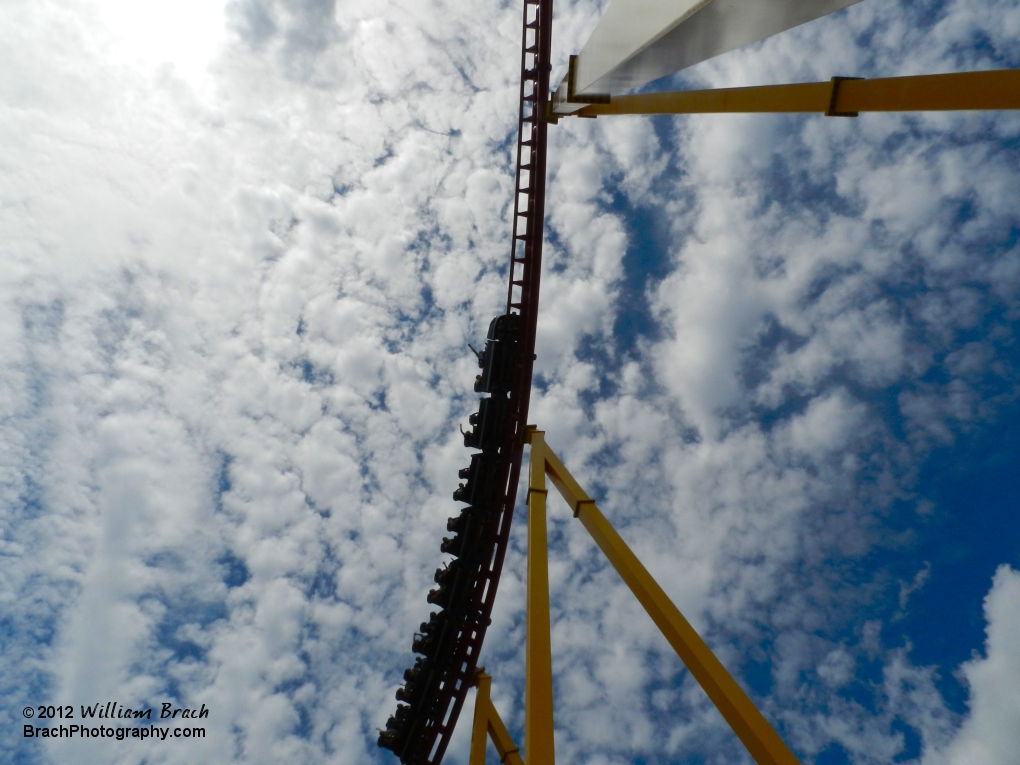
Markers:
(435, 717)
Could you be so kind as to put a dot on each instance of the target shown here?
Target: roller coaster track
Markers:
(437, 686)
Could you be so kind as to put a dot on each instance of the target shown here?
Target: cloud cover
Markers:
(236, 303)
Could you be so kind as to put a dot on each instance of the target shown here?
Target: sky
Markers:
(245, 246)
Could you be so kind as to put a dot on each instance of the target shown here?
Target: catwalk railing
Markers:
(450, 642)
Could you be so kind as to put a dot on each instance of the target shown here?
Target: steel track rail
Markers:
(434, 717)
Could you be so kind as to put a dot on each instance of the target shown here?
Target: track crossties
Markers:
(450, 640)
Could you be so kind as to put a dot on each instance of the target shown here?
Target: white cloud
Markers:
(991, 732)
(235, 309)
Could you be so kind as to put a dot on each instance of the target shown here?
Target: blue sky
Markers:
(245, 246)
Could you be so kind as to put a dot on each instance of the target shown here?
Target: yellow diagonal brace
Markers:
(841, 97)
(543, 461)
(764, 744)
(487, 722)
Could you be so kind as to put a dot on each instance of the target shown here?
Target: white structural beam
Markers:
(637, 41)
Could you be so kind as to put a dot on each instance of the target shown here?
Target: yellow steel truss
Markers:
(488, 722)
(764, 744)
(841, 97)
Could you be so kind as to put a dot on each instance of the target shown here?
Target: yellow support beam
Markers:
(487, 722)
(841, 97)
(538, 693)
(763, 743)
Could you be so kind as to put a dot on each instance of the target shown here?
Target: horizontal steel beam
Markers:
(842, 97)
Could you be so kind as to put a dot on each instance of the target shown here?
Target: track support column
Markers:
(487, 722)
(763, 743)
(538, 694)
